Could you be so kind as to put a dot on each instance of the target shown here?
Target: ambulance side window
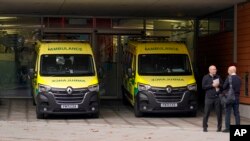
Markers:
(124, 62)
(36, 57)
(134, 63)
(128, 60)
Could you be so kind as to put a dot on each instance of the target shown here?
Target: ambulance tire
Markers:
(33, 98)
(39, 115)
(32, 95)
(137, 111)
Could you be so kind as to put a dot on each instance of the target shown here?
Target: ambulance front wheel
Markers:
(137, 111)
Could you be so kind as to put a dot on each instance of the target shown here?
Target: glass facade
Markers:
(18, 35)
(218, 22)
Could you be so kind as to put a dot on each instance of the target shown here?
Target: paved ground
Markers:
(117, 122)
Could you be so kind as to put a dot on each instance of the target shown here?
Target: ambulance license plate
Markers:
(164, 105)
(69, 106)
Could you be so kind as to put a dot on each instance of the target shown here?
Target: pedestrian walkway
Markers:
(116, 122)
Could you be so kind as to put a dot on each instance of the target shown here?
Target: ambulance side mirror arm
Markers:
(100, 72)
(130, 73)
(32, 73)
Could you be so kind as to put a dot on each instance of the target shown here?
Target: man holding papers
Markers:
(212, 84)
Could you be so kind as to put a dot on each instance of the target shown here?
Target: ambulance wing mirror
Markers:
(100, 72)
(32, 73)
(130, 73)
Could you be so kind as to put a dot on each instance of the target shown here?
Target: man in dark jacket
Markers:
(212, 84)
(236, 82)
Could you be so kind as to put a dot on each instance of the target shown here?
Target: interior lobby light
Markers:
(7, 18)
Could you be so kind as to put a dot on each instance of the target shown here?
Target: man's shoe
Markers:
(204, 129)
(226, 131)
(218, 130)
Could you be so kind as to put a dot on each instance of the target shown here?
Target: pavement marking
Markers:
(128, 122)
(193, 123)
(171, 123)
(109, 123)
(23, 110)
(9, 109)
(27, 109)
(150, 123)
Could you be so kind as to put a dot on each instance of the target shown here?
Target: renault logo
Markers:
(69, 90)
(169, 89)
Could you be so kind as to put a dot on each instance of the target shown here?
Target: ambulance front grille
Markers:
(162, 96)
(62, 97)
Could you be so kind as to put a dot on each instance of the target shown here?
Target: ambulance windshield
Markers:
(164, 64)
(67, 65)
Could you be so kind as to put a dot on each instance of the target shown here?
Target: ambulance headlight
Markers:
(143, 87)
(44, 88)
(192, 87)
(93, 88)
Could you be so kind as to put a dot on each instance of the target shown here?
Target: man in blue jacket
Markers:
(236, 82)
(212, 84)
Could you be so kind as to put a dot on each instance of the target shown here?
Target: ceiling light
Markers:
(7, 18)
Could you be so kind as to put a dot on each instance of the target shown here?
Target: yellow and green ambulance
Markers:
(158, 77)
(64, 79)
